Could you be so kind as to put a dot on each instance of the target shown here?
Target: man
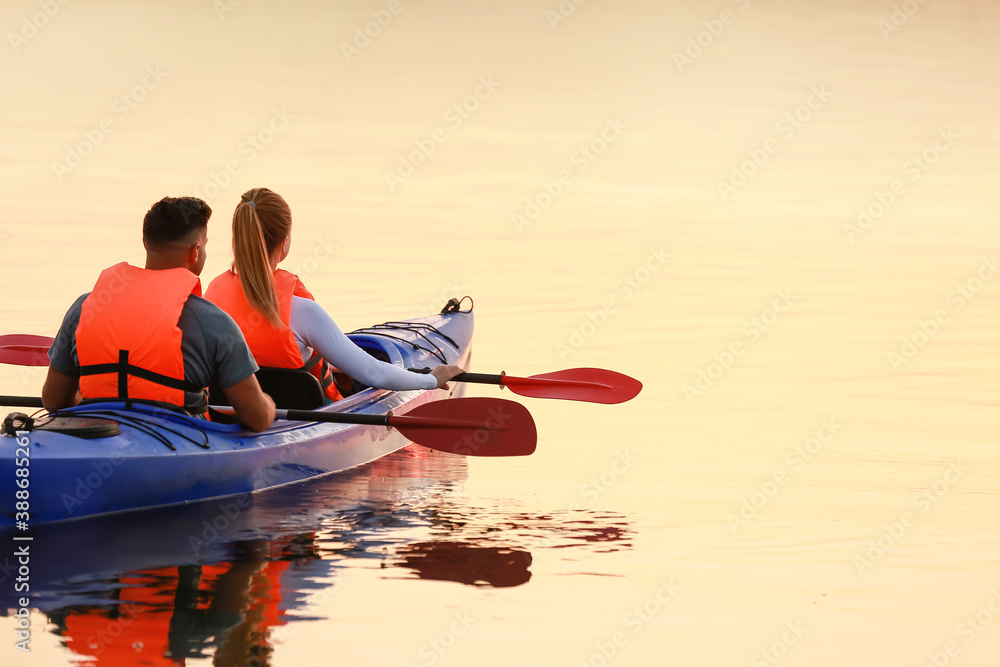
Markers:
(147, 335)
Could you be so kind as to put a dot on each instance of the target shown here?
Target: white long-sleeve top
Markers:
(314, 329)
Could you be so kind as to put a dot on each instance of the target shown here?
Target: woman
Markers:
(282, 323)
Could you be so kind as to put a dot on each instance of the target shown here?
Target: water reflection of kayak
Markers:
(64, 555)
(162, 586)
(217, 579)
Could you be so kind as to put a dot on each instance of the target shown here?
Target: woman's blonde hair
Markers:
(261, 222)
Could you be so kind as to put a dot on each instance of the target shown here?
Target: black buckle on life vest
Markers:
(123, 369)
(123, 376)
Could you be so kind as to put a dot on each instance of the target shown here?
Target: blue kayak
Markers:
(160, 457)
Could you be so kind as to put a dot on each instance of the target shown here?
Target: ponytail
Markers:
(250, 258)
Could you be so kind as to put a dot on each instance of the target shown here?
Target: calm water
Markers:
(780, 216)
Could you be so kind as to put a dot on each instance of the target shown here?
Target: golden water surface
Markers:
(780, 216)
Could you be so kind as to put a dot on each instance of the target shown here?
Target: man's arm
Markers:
(254, 409)
(62, 384)
(229, 362)
(60, 391)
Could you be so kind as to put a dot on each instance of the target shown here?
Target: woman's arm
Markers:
(314, 327)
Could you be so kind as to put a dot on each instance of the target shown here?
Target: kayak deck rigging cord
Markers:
(146, 426)
(420, 329)
(18, 421)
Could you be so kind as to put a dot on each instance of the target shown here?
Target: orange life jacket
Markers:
(272, 346)
(128, 340)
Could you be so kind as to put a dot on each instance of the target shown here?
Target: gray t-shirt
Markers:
(213, 346)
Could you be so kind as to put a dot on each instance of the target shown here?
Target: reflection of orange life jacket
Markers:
(265, 594)
(271, 345)
(128, 341)
(139, 634)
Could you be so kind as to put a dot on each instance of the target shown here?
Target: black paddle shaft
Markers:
(335, 417)
(478, 378)
(21, 401)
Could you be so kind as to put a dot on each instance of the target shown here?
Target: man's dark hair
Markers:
(175, 220)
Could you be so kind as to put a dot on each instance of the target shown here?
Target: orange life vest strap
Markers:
(123, 369)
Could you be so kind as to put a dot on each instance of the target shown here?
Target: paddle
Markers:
(21, 401)
(593, 385)
(468, 426)
(25, 349)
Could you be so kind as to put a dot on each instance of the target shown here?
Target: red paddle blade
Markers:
(593, 385)
(24, 349)
(471, 427)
